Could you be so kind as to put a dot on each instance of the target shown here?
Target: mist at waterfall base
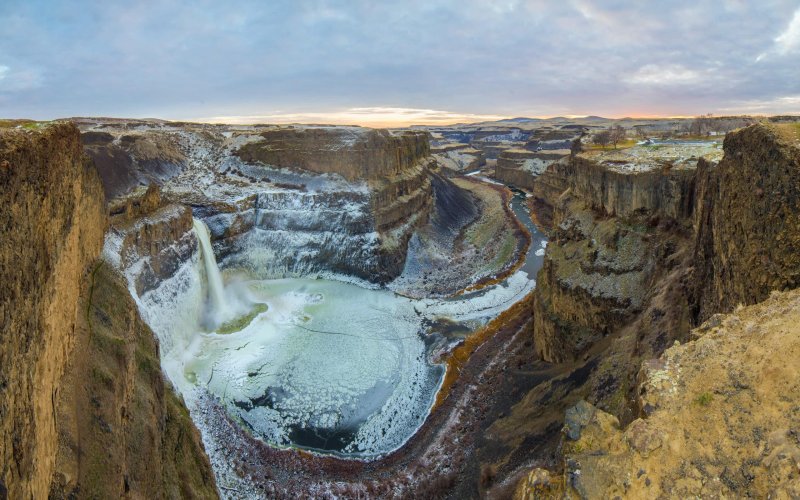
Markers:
(224, 303)
(323, 365)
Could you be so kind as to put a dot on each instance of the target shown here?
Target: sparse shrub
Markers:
(704, 399)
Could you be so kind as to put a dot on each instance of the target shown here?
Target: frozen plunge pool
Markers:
(317, 364)
(328, 366)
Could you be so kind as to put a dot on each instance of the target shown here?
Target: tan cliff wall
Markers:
(737, 245)
(52, 218)
(720, 419)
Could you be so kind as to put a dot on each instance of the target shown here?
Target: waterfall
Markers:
(216, 290)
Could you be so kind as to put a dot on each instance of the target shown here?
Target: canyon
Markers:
(486, 310)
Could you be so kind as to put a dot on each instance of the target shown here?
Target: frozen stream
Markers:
(314, 363)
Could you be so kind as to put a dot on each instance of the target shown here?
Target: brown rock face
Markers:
(123, 433)
(616, 238)
(52, 220)
(659, 191)
(748, 221)
(353, 153)
(84, 409)
(697, 423)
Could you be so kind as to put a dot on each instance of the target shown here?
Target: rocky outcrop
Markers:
(458, 158)
(596, 276)
(52, 219)
(748, 220)
(133, 158)
(157, 234)
(547, 138)
(617, 233)
(712, 238)
(719, 418)
(84, 408)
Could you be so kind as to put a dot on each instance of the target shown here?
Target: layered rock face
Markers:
(711, 242)
(306, 199)
(521, 167)
(459, 158)
(52, 218)
(352, 152)
(618, 231)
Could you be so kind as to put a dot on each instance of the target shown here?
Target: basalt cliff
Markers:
(650, 251)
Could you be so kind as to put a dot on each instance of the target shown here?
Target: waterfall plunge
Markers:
(219, 307)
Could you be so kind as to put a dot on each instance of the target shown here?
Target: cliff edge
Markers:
(84, 408)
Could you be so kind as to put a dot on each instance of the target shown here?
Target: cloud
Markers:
(326, 59)
(789, 40)
(778, 105)
(4, 71)
(665, 75)
(373, 116)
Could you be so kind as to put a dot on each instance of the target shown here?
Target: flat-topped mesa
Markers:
(352, 152)
(522, 167)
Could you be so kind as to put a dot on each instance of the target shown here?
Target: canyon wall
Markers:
(617, 239)
(349, 198)
(354, 153)
(710, 239)
(52, 218)
(84, 408)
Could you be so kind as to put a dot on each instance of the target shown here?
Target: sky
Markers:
(375, 62)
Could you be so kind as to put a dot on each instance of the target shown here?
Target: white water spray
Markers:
(216, 290)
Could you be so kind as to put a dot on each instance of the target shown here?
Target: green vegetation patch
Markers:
(704, 399)
(239, 323)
